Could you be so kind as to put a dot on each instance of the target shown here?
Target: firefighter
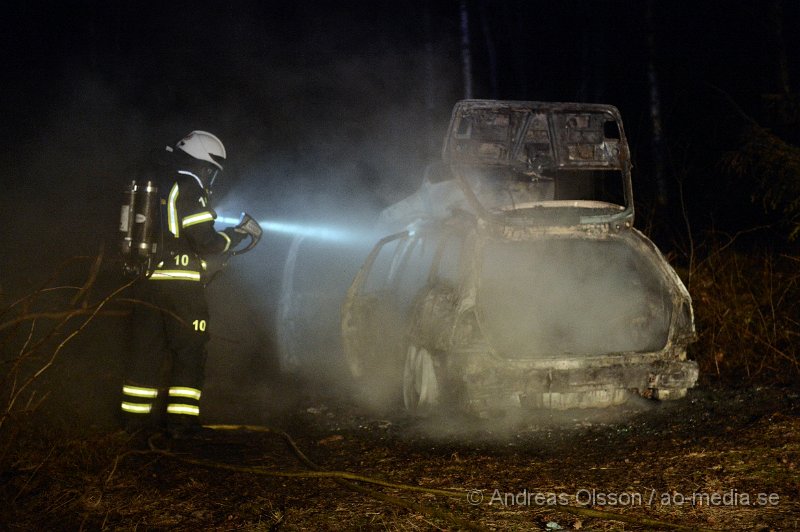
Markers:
(171, 320)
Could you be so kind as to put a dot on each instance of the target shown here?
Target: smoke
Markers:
(327, 121)
(319, 226)
(342, 136)
(566, 297)
(325, 124)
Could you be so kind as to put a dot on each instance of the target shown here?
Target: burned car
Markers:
(514, 277)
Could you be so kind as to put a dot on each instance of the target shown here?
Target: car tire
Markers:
(421, 384)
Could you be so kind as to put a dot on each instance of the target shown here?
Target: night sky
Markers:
(313, 99)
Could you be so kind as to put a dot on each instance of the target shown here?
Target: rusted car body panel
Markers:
(517, 280)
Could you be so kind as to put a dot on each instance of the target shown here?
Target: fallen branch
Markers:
(342, 478)
(60, 315)
(347, 479)
(43, 286)
(93, 312)
(171, 314)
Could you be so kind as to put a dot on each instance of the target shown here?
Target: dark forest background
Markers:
(90, 88)
(331, 111)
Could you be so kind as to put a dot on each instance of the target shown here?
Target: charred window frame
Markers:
(380, 268)
(583, 145)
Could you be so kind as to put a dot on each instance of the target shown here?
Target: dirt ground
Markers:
(720, 459)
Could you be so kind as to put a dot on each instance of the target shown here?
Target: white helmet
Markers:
(204, 146)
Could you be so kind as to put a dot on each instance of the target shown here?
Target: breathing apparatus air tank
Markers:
(138, 226)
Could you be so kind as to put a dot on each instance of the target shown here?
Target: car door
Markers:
(371, 326)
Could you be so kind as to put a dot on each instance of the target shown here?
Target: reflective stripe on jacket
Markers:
(189, 235)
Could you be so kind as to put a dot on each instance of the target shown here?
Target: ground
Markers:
(720, 459)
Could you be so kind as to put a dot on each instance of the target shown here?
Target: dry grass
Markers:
(34, 330)
(112, 481)
(747, 309)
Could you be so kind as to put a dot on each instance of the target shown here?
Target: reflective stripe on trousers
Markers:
(138, 399)
(183, 400)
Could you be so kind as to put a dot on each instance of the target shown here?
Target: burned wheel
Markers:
(421, 387)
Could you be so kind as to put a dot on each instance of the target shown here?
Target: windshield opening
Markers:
(589, 185)
(503, 188)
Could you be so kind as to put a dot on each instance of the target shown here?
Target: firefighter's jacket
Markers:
(187, 230)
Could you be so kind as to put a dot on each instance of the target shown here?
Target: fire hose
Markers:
(247, 226)
(351, 481)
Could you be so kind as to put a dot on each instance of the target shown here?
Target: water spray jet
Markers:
(319, 232)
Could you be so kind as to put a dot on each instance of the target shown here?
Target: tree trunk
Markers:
(490, 51)
(466, 56)
(432, 143)
(655, 109)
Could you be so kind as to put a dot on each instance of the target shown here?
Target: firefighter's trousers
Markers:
(170, 332)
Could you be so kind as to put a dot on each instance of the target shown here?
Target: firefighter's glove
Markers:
(235, 235)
